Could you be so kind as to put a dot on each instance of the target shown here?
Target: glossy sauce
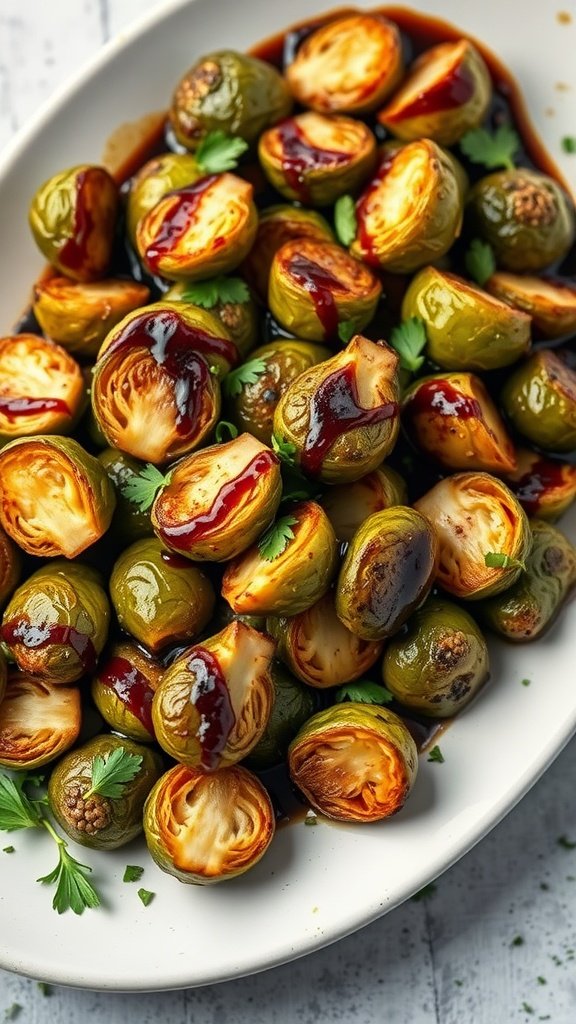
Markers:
(320, 285)
(177, 220)
(74, 252)
(365, 239)
(439, 396)
(211, 699)
(300, 157)
(452, 90)
(545, 475)
(39, 637)
(175, 561)
(14, 408)
(131, 687)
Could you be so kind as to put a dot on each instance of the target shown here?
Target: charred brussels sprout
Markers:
(476, 517)
(524, 215)
(79, 316)
(239, 317)
(314, 287)
(294, 704)
(10, 567)
(551, 303)
(38, 721)
(159, 176)
(466, 328)
(354, 762)
(159, 599)
(348, 505)
(446, 93)
(89, 817)
(56, 623)
(42, 390)
(206, 827)
(341, 418)
(55, 499)
(315, 159)
(387, 572)
(452, 418)
(123, 688)
(411, 213)
(213, 702)
(129, 523)
(544, 487)
(348, 65)
(539, 399)
(276, 226)
(230, 92)
(73, 219)
(527, 608)
(219, 500)
(439, 662)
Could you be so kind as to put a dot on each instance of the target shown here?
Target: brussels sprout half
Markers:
(544, 487)
(550, 302)
(10, 567)
(539, 399)
(38, 721)
(122, 690)
(155, 179)
(42, 390)
(348, 505)
(276, 226)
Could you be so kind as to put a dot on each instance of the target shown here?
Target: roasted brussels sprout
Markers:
(318, 648)
(439, 662)
(159, 599)
(539, 399)
(73, 219)
(315, 159)
(341, 418)
(354, 762)
(123, 688)
(231, 92)
(10, 567)
(387, 572)
(551, 303)
(314, 287)
(348, 65)
(466, 328)
(348, 505)
(452, 418)
(3, 675)
(294, 703)
(42, 390)
(129, 523)
(56, 623)
(219, 500)
(289, 569)
(206, 827)
(88, 817)
(158, 176)
(79, 316)
(411, 212)
(38, 721)
(447, 92)
(239, 317)
(212, 704)
(524, 215)
(544, 487)
(276, 226)
(199, 231)
(55, 499)
(476, 516)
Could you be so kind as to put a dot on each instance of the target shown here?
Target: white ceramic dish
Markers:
(316, 884)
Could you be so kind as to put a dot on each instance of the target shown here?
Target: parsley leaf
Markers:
(479, 261)
(8, 849)
(220, 152)
(436, 755)
(73, 890)
(285, 450)
(346, 330)
(525, 682)
(277, 538)
(363, 692)
(569, 144)
(112, 771)
(133, 873)
(345, 221)
(246, 373)
(498, 560)
(146, 896)
(219, 290)
(408, 339)
(142, 488)
(491, 150)
(225, 431)
(17, 811)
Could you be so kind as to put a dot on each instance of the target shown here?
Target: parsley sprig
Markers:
(363, 692)
(498, 560)
(142, 488)
(274, 542)
(111, 772)
(346, 330)
(285, 450)
(491, 149)
(479, 261)
(219, 152)
(219, 291)
(246, 373)
(345, 221)
(408, 339)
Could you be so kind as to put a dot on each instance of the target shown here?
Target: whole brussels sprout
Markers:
(294, 704)
(439, 662)
(276, 226)
(42, 389)
(88, 816)
(354, 762)
(123, 688)
(156, 601)
(206, 827)
(129, 522)
(539, 399)
(10, 567)
(551, 303)
(155, 179)
(238, 315)
(348, 505)
(39, 720)
(544, 487)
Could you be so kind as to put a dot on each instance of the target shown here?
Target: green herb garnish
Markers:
(491, 149)
(277, 538)
(17, 811)
(541, 980)
(220, 152)
(111, 772)
(146, 896)
(225, 431)
(285, 450)
(133, 873)
(498, 560)
(73, 889)
(436, 755)
(247, 373)
(409, 339)
(8, 849)
(142, 488)
(345, 221)
(311, 818)
(526, 682)
(517, 941)
(569, 144)
(219, 290)
(363, 692)
(527, 1008)
(479, 261)
(346, 330)
(44, 988)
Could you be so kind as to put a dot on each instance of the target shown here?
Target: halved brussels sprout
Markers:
(387, 572)
(289, 569)
(348, 65)
(206, 827)
(524, 215)
(452, 418)
(439, 662)
(156, 601)
(294, 703)
(341, 417)
(219, 500)
(539, 399)
(153, 392)
(550, 302)
(155, 179)
(411, 212)
(240, 318)
(101, 822)
(476, 515)
(354, 762)
(10, 567)
(315, 159)
(230, 92)
(466, 328)
(38, 721)
(348, 505)
(544, 487)
(276, 226)
(55, 498)
(319, 650)
(42, 390)
(212, 704)
(527, 608)
(447, 92)
(56, 623)
(73, 219)
(123, 688)
(200, 231)
(129, 522)
(78, 316)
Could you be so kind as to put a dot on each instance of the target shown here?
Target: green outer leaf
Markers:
(363, 692)
(274, 542)
(345, 221)
(408, 339)
(220, 152)
(111, 772)
(479, 261)
(17, 811)
(246, 373)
